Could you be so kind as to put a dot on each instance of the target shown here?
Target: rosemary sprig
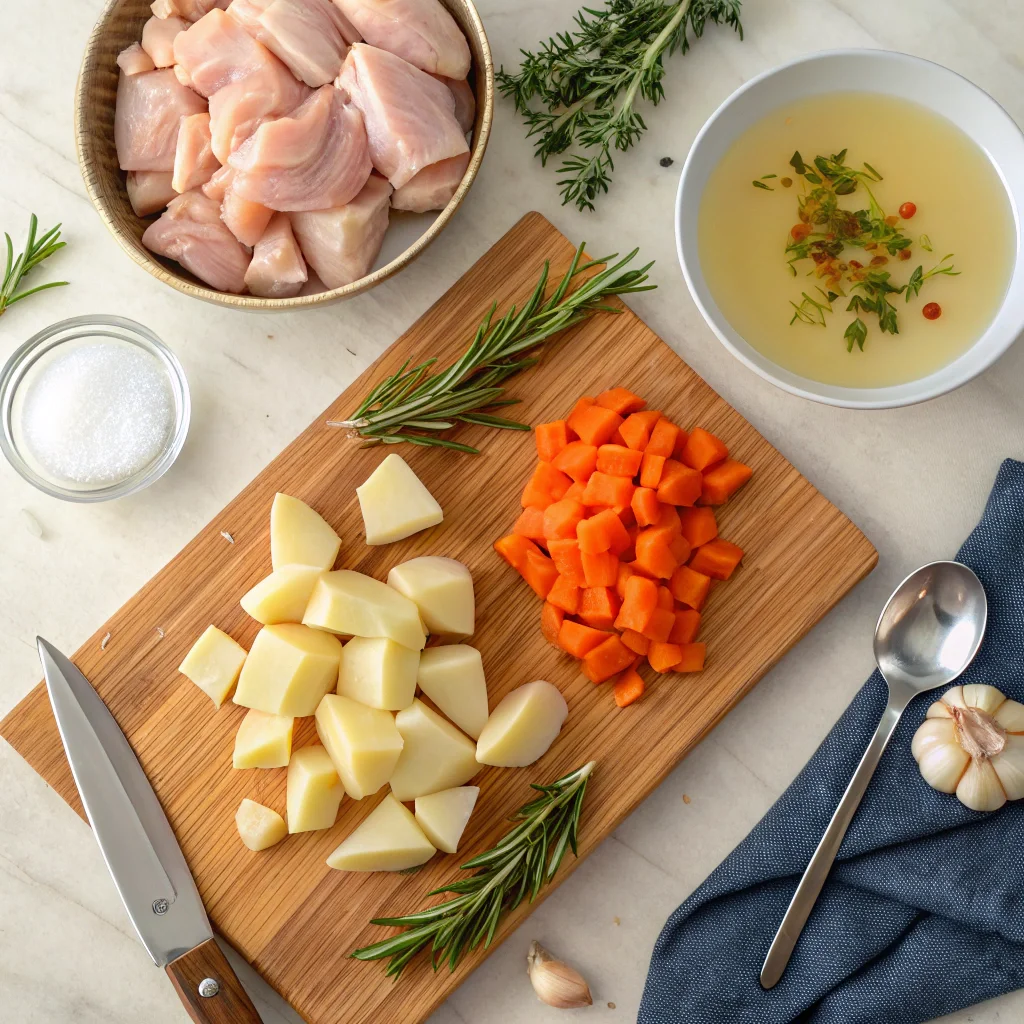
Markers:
(36, 250)
(525, 860)
(587, 82)
(414, 404)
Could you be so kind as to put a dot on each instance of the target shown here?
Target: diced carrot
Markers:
(545, 486)
(566, 556)
(660, 626)
(717, 559)
(606, 660)
(578, 640)
(560, 518)
(629, 687)
(665, 598)
(624, 573)
(635, 641)
(690, 587)
(626, 514)
(686, 627)
(638, 570)
(618, 439)
(680, 446)
(575, 493)
(680, 548)
(598, 607)
(691, 657)
(514, 548)
(639, 602)
(583, 402)
(651, 469)
(703, 449)
(565, 595)
(663, 438)
(577, 459)
(629, 555)
(698, 525)
(668, 519)
(595, 424)
(621, 401)
(653, 553)
(551, 438)
(530, 524)
(616, 460)
(663, 657)
(724, 480)
(540, 572)
(645, 505)
(636, 428)
(613, 491)
(600, 570)
(551, 618)
(603, 532)
(680, 485)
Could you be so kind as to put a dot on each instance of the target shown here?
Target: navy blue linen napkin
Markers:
(923, 913)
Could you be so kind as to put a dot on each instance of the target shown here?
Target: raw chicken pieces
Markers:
(277, 270)
(133, 60)
(419, 31)
(342, 244)
(216, 188)
(433, 187)
(409, 115)
(192, 233)
(149, 191)
(245, 220)
(314, 159)
(465, 101)
(310, 36)
(194, 162)
(149, 108)
(190, 10)
(158, 35)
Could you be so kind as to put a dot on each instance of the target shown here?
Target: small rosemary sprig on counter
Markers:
(36, 250)
(414, 404)
(524, 861)
(588, 81)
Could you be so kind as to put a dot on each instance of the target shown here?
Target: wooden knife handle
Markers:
(225, 1001)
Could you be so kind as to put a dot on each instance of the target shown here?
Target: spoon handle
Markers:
(814, 876)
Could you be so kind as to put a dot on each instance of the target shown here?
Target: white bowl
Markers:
(971, 109)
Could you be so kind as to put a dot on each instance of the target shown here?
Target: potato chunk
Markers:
(363, 742)
(263, 741)
(289, 668)
(388, 840)
(523, 726)
(436, 755)
(300, 536)
(453, 678)
(352, 604)
(213, 664)
(443, 816)
(442, 589)
(395, 503)
(259, 827)
(378, 672)
(314, 790)
(283, 595)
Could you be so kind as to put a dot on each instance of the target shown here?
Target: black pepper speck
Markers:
(666, 161)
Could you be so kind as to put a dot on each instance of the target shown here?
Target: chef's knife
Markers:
(141, 852)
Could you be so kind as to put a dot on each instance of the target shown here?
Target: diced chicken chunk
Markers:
(149, 191)
(310, 36)
(149, 109)
(245, 220)
(317, 158)
(342, 244)
(465, 101)
(158, 35)
(277, 270)
(133, 60)
(409, 115)
(433, 187)
(194, 162)
(419, 31)
(182, 76)
(190, 10)
(192, 233)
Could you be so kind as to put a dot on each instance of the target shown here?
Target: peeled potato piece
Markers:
(442, 589)
(388, 840)
(300, 536)
(263, 741)
(443, 816)
(523, 726)
(213, 664)
(395, 503)
(259, 827)
(363, 742)
(283, 595)
(435, 756)
(453, 678)
(314, 790)
(378, 672)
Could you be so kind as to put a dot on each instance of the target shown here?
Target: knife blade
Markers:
(140, 848)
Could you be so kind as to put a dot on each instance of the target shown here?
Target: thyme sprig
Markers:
(415, 404)
(15, 269)
(524, 861)
(587, 83)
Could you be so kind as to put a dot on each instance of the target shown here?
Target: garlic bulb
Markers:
(555, 983)
(972, 743)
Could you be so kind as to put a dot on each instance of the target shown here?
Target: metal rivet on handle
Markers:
(161, 906)
(208, 988)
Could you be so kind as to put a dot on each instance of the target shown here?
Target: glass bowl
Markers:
(19, 371)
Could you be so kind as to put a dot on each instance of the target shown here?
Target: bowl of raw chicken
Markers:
(281, 154)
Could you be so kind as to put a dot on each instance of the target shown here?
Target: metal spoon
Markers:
(927, 634)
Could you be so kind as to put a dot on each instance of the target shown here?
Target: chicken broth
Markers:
(834, 263)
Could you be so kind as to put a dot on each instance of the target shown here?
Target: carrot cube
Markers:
(690, 587)
(575, 493)
(717, 559)
(530, 524)
(595, 424)
(600, 570)
(540, 572)
(663, 438)
(680, 548)
(723, 480)
(621, 401)
(612, 491)
(653, 553)
(692, 657)
(616, 460)
(566, 556)
(598, 607)
(636, 642)
(636, 428)
(565, 595)
(577, 460)
(664, 657)
(686, 628)
(546, 485)
(645, 505)
(665, 598)
(680, 446)
(583, 402)
(560, 518)
(629, 687)
(668, 519)
(703, 449)
(578, 640)
(698, 525)
(680, 485)
(514, 548)
(550, 438)
(606, 660)
(624, 572)
(660, 626)
(551, 618)
(639, 602)
(651, 469)
(603, 532)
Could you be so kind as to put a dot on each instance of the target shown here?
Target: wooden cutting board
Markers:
(293, 918)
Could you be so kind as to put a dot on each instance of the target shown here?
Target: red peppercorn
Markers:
(931, 311)
(907, 210)
(799, 232)
(904, 254)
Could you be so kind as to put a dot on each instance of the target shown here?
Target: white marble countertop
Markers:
(914, 480)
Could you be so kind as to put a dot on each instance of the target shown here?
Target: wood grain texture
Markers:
(119, 26)
(290, 916)
(230, 1005)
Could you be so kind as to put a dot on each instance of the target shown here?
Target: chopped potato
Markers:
(364, 743)
(395, 503)
(523, 726)
(442, 589)
(378, 672)
(259, 826)
(283, 595)
(388, 840)
(436, 755)
(443, 816)
(314, 790)
(453, 678)
(263, 741)
(213, 664)
(300, 536)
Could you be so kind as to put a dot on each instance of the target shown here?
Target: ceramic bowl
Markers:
(937, 88)
(119, 25)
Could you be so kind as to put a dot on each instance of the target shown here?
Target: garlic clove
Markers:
(984, 697)
(1009, 767)
(954, 697)
(1011, 716)
(555, 983)
(980, 789)
(934, 732)
(943, 766)
(939, 710)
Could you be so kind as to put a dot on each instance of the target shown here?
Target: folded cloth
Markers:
(923, 913)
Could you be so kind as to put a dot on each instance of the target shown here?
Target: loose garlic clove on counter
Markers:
(972, 743)
(555, 983)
